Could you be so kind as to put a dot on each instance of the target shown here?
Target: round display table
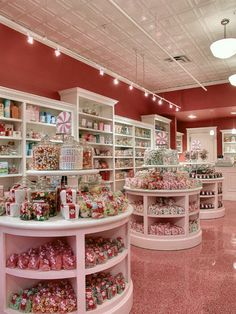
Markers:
(17, 236)
(188, 200)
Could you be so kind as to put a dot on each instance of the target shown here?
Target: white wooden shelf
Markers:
(42, 275)
(124, 146)
(102, 157)
(10, 119)
(41, 124)
(124, 157)
(10, 138)
(61, 172)
(94, 131)
(10, 156)
(124, 168)
(99, 144)
(166, 216)
(123, 135)
(82, 114)
(207, 196)
(142, 138)
(30, 139)
(13, 175)
(104, 169)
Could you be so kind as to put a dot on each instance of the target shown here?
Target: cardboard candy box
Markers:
(70, 211)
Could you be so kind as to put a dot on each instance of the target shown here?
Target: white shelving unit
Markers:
(23, 124)
(161, 127)
(95, 123)
(166, 242)
(228, 143)
(179, 142)
(17, 236)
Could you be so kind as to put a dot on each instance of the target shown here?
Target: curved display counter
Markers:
(180, 225)
(17, 236)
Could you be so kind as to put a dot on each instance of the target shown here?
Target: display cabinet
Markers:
(179, 142)
(229, 143)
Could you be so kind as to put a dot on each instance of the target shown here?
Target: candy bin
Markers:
(71, 155)
(44, 192)
(46, 155)
(87, 156)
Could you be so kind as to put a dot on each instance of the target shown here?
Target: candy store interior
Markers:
(118, 157)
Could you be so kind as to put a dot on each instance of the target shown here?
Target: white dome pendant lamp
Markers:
(232, 79)
(226, 47)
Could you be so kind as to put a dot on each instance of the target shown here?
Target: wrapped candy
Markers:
(68, 196)
(15, 300)
(12, 261)
(33, 262)
(91, 303)
(12, 209)
(69, 261)
(26, 211)
(41, 211)
(90, 258)
(98, 210)
(70, 211)
(23, 261)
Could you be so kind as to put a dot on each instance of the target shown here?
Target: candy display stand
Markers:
(211, 196)
(17, 236)
(166, 242)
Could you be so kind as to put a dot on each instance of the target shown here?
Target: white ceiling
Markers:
(98, 31)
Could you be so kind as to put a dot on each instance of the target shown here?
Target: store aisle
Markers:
(201, 280)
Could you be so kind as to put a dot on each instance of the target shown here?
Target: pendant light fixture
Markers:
(226, 47)
(232, 79)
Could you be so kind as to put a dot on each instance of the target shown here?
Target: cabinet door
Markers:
(201, 140)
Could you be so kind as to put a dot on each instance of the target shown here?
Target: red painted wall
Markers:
(35, 69)
(221, 124)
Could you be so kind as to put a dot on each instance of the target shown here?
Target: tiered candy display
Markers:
(155, 180)
(54, 255)
(194, 225)
(161, 157)
(100, 250)
(137, 226)
(55, 296)
(165, 206)
(102, 287)
(71, 155)
(165, 229)
(193, 206)
(137, 206)
(206, 175)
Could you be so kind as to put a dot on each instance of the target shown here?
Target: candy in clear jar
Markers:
(46, 155)
(87, 156)
(71, 155)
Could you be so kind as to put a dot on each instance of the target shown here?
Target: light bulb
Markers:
(233, 131)
(171, 106)
(224, 48)
(131, 87)
(153, 97)
(177, 109)
(212, 132)
(160, 101)
(57, 52)
(101, 71)
(30, 39)
(146, 94)
(116, 82)
(232, 79)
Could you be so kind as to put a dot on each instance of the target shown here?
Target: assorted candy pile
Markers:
(165, 206)
(46, 155)
(163, 229)
(194, 225)
(161, 157)
(137, 206)
(193, 206)
(54, 255)
(100, 250)
(101, 287)
(55, 296)
(154, 180)
(137, 226)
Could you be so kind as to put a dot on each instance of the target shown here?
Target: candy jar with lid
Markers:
(46, 155)
(71, 155)
(87, 156)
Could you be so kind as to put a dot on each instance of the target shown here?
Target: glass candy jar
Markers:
(46, 155)
(71, 155)
(87, 156)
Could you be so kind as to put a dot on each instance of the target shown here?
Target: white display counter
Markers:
(165, 242)
(17, 236)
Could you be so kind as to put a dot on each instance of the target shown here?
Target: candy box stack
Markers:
(101, 287)
(17, 196)
(99, 250)
(55, 296)
(69, 208)
(54, 255)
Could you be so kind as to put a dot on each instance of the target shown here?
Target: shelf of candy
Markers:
(54, 255)
(154, 180)
(194, 225)
(123, 163)
(100, 250)
(95, 111)
(207, 205)
(37, 114)
(46, 155)
(9, 149)
(137, 226)
(165, 229)
(124, 141)
(193, 206)
(137, 206)
(102, 287)
(96, 138)
(124, 152)
(123, 129)
(205, 172)
(142, 143)
(96, 125)
(56, 296)
(10, 109)
(88, 153)
(207, 193)
(161, 156)
(101, 164)
(103, 152)
(8, 168)
(141, 132)
(72, 155)
(139, 162)
(122, 175)
(9, 130)
(165, 206)
(139, 153)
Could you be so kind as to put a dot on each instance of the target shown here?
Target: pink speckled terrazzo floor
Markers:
(201, 280)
